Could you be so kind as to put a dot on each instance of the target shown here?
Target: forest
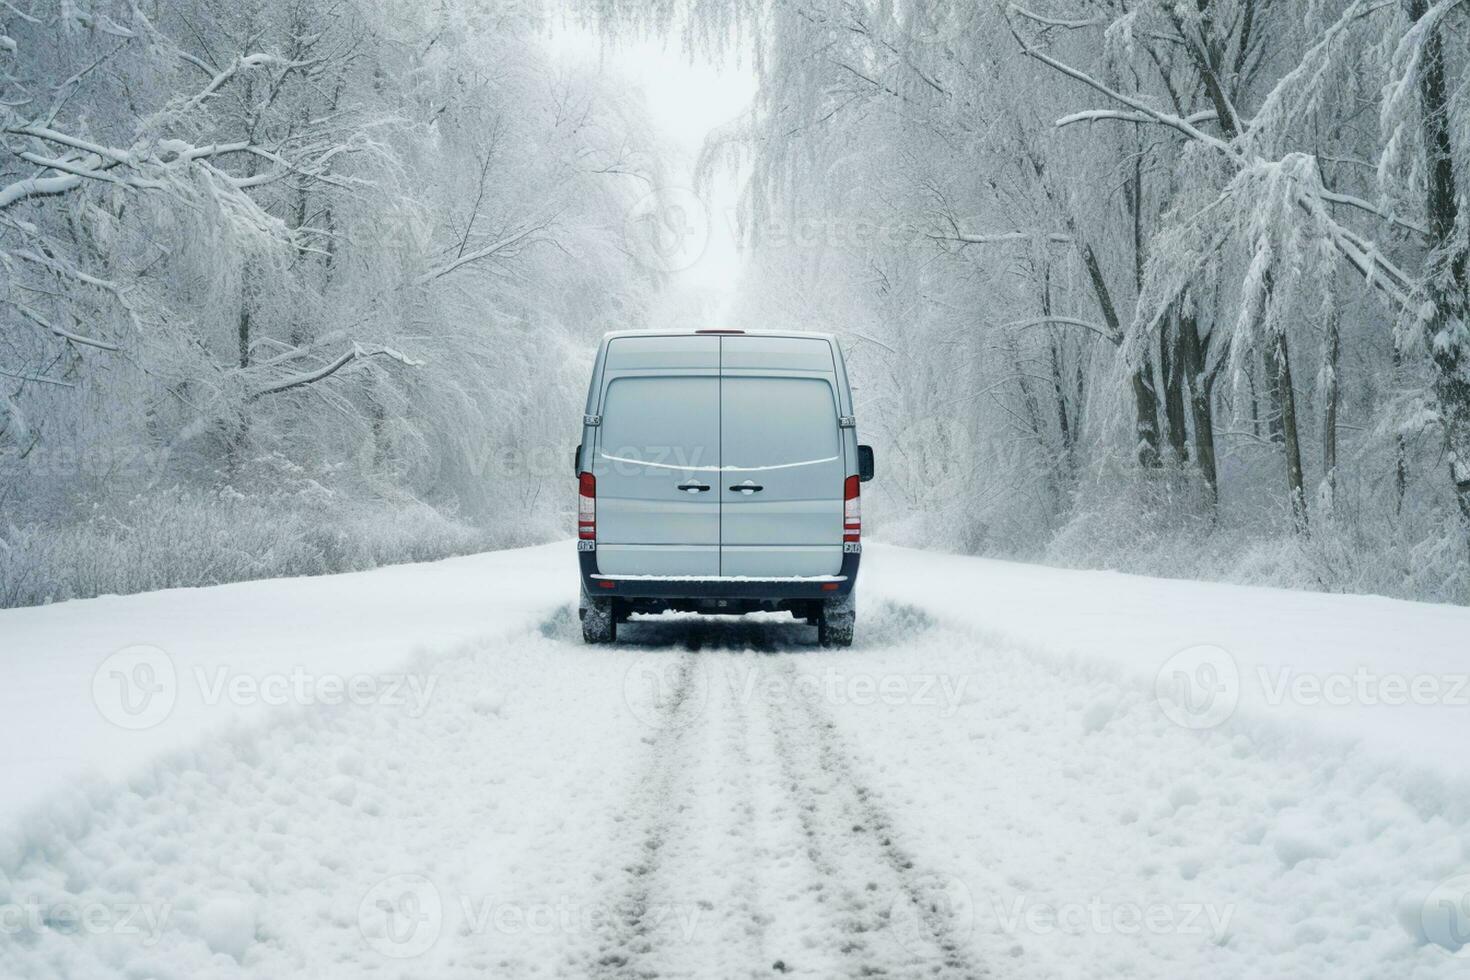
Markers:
(289, 285)
(1168, 286)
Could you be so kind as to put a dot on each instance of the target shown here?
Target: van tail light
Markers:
(852, 513)
(586, 507)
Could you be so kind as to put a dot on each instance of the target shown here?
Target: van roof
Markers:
(718, 331)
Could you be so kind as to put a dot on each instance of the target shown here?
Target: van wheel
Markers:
(836, 621)
(599, 622)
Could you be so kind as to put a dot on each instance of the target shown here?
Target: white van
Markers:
(718, 473)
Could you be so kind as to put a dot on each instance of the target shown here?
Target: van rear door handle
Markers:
(692, 486)
(748, 488)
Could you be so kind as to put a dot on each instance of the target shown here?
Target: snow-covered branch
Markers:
(503, 248)
(61, 332)
(1065, 321)
(353, 354)
(1349, 200)
(1118, 115)
(37, 187)
(1003, 238)
(239, 64)
(1140, 106)
(1069, 23)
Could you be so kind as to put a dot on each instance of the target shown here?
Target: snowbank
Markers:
(96, 688)
(1393, 674)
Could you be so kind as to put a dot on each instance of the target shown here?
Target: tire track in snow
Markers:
(747, 893)
(624, 937)
(692, 899)
(754, 849)
(850, 835)
(677, 909)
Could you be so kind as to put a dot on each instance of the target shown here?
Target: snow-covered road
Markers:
(395, 774)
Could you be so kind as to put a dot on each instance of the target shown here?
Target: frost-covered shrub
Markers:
(1126, 521)
(192, 537)
(1163, 525)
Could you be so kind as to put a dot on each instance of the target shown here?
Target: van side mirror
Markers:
(577, 461)
(865, 463)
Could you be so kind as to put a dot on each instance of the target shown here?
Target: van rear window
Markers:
(768, 422)
(664, 422)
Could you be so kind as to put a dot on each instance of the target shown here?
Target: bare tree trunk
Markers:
(1145, 399)
(1282, 358)
(1031, 405)
(1171, 364)
(1059, 386)
(1400, 446)
(1331, 396)
(1250, 381)
(1146, 419)
(242, 327)
(1064, 420)
(1271, 372)
(379, 420)
(1201, 390)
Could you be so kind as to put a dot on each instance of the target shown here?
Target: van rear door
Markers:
(782, 467)
(657, 457)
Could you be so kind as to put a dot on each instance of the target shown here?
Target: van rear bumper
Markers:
(741, 587)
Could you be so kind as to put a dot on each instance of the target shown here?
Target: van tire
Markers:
(599, 621)
(836, 621)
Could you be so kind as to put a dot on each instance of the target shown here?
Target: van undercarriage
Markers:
(825, 601)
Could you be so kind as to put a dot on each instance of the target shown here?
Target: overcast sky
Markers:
(686, 102)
